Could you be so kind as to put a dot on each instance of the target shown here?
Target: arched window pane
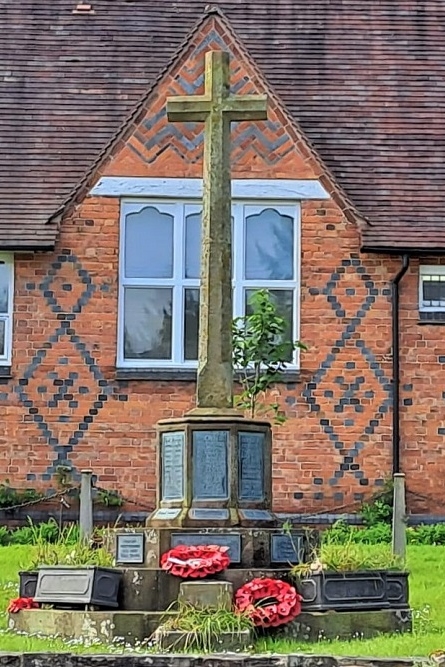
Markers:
(192, 245)
(149, 244)
(269, 246)
(284, 302)
(148, 323)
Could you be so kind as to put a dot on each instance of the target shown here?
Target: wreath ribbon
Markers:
(195, 562)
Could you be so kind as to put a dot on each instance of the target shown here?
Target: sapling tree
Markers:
(262, 349)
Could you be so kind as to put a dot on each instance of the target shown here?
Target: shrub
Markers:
(433, 534)
(380, 533)
(10, 497)
(379, 510)
(4, 536)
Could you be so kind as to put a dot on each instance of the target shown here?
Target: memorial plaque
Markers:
(130, 548)
(210, 465)
(166, 513)
(172, 457)
(286, 550)
(232, 541)
(256, 515)
(251, 465)
(203, 513)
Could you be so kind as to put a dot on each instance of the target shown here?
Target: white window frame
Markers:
(426, 270)
(7, 258)
(179, 284)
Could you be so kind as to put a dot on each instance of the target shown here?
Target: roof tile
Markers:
(365, 80)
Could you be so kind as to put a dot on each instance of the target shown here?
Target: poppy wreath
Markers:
(195, 562)
(268, 602)
(18, 604)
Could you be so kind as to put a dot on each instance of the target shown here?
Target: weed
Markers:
(201, 628)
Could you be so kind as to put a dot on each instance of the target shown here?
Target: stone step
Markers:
(145, 588)
(132, 626)
(103, 625)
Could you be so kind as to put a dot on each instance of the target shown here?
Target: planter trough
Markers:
(354, 591)
(28, 584)
(72, 586)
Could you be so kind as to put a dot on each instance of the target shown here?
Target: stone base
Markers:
(149, 589)
(213, 466)
(103, 625)
(313, 626)
(171, 640)
(132, 626)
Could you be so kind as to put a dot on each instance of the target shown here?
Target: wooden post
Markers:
(399, 517)
(86, 506)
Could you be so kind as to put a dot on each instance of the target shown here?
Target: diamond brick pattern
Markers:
(70, 282)
(349, 400)
(64, 370)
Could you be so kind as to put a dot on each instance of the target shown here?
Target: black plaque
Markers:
(251, 465)
(172, 456)
(210, 465)
(286, 550)
(256, 515)
(130, 548)
(209, 514)
(233, 541)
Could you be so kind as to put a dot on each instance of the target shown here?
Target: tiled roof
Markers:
(364, 78)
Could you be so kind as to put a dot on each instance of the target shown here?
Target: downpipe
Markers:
(396, 364)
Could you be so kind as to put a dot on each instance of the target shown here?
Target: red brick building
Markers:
(337, 206)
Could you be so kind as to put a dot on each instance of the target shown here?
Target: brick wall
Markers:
(422, 399)
(64, 403)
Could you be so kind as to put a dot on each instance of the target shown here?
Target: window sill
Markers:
(185, 375)
(432, 317)
(169, 374)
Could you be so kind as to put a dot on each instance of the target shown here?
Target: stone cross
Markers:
(217, 109)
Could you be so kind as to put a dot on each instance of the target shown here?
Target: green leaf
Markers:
(261, 352)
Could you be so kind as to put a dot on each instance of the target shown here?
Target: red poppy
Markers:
(21, 603)
(268, 602)
(195, 562)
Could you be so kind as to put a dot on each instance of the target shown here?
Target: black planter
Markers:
(82, 585)
(354, 591)
(28, 584)
(397, 587)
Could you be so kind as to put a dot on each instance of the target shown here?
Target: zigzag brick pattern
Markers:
(259, 148)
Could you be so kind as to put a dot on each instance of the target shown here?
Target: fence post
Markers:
(86, 506)
(399, 517)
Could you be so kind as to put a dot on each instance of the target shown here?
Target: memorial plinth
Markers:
(213, 471)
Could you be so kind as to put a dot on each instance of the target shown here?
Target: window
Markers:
(160, 266)
(432, 289)
(6, 305)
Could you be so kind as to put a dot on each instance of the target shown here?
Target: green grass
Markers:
(427, 596)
